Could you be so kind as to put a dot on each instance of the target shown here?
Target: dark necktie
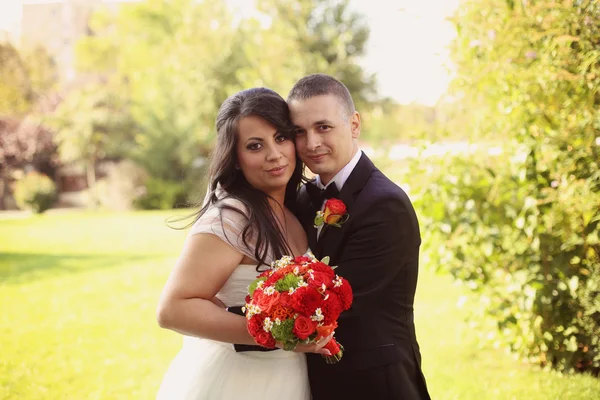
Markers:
(318, 196)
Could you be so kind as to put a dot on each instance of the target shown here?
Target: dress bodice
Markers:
(234, 291)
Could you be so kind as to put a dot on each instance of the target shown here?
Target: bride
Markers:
(244, 225)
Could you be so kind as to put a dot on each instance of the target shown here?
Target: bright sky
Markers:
(407, 47)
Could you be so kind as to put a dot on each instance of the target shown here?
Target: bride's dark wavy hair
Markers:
(261, 221)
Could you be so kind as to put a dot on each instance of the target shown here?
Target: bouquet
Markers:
(297, 301)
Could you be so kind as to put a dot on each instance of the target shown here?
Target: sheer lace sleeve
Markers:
(227, 224)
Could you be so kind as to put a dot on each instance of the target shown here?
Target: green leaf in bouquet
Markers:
(287, 282)
(289, 346)
(254, 284)
(284, 331)
(326, 260)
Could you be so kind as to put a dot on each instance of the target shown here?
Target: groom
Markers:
(376, 250)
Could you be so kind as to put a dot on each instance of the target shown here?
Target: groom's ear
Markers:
(355, 125)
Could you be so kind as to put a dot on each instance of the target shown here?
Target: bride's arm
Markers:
(186, 305)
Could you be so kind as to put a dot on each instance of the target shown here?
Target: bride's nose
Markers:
(273, 154)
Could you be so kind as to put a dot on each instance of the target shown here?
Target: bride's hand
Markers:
(313, 347)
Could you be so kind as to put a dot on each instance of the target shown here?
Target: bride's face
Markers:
(266, 157)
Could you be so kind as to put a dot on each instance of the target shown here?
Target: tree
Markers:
(90, 124)
(24, 77)
(168, 59)
(329, 37)
(22, 143)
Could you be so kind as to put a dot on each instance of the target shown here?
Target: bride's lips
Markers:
(277, 171)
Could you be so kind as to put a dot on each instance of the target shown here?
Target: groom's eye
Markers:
(324, 127)
(298, 132)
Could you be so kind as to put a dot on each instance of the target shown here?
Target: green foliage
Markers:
(168, 58)
(328, 37)
(24, 76)
(254, 285)
(283, 332)
(161, 195)
(35, 192)
(287, 282)
(524, 230)
(91, 124)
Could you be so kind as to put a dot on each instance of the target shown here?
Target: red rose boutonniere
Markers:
(334, 214)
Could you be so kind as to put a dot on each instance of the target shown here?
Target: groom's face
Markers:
(325, 134)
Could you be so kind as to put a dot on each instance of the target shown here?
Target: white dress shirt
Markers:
(338, 180)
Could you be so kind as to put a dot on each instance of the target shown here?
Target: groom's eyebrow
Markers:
(323, 122)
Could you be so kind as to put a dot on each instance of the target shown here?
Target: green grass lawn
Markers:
(78, 293)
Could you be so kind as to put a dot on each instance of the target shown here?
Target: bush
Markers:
(35, 192)
(524, 232)
(531, 252)
(161, 195)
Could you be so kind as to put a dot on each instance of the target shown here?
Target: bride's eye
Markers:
(254, 146)
(281, 138)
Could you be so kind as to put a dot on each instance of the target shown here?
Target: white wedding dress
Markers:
(209, 370)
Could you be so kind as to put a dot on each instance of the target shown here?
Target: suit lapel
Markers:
(331, 236)
(309, 212)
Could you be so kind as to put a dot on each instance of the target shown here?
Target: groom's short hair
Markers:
(319, 85)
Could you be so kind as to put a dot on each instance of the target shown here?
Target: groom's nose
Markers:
(313, 140)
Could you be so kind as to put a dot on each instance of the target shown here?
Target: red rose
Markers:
(255, 325)
(265, 302)
(304, 327)
(324, 268)
(334, 211)
(248, 299)
(302, 260)
(306, 300)
(345, 294)
(319, 278)
(265, 339)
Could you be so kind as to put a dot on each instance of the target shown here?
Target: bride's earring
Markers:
(237, 167)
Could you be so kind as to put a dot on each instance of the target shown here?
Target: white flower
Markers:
(323, 287)
(282, 262)
(252, 310)
(269, 290)
(296, 270)
(260, 284)
(337, 282)
(277, 321)
(302, 283)
(318, 316)
(267, 324)
(291, 291)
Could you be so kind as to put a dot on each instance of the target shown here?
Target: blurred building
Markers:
(57, 25)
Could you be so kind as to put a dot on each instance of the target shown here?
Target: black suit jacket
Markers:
(377, 251)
